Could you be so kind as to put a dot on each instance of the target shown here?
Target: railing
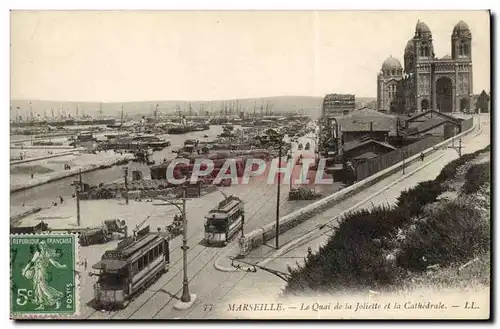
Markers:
(372, 166)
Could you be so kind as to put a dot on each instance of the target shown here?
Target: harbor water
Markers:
(44, 195)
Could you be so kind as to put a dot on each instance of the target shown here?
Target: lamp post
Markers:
(404, 155)
(187, 299)
(125, 175)
(280, 148)
(77, 195)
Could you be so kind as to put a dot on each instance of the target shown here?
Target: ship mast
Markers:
(154, 122)
(121, 119)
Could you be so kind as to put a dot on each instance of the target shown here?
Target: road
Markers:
(218, 288)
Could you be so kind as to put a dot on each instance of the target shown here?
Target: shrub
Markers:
(449, 171)
(476, 176)
(354, 255)
(452, 233)
(412, 200)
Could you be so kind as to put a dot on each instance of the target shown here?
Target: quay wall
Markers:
(43, 147)
(261, 235)
(15, 217)
(14, 162)
(74, 172)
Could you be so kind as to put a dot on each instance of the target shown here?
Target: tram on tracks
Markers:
(129, 269)
(223, 222)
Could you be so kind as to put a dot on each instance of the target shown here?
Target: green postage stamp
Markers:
(43, 276)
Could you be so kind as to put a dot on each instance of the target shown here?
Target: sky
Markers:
(120, 56)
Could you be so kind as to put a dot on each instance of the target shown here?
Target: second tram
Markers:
(224, 221)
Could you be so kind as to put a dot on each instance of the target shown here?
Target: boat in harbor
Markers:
(189, 127)
(179, 130)
(138, 141)
(66, 122)
(119, 134)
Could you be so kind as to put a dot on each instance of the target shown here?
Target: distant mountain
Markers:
(308, 104)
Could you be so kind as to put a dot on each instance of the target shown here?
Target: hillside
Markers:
(311, 105)
(437, 235)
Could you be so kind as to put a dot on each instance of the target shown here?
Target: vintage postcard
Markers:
(250, 165)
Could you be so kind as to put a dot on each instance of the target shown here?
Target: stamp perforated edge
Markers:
(77, 264)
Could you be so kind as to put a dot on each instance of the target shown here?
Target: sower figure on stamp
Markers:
(36, 272)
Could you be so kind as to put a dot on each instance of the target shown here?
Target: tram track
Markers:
(196, 274)
(232, 245)
(255, 203)
(213, 257)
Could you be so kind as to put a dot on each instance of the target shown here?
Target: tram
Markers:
(129, 269)
(224, 221)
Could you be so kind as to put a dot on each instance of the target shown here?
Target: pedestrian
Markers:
(61, 199)
(32, 175)
(422, 156)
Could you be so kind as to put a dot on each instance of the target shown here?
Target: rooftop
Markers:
(364, 141)
(366, 119)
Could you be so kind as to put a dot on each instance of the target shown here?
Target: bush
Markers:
(353, 257)
(449, 171)
(452, 233)
(412, 200)
(476, 176)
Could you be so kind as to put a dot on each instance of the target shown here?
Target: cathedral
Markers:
(427, 82)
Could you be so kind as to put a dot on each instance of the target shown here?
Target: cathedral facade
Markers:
(427, 82)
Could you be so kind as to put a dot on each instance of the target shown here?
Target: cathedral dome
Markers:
(391, 64)
(461, 27)
(422, 29)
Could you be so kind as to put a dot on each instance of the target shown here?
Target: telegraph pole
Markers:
(125, 174)
(403, 162)
(77, 195)
(186, 297)
(278, 198)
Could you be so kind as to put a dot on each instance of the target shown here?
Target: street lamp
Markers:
(78, 188)
(404, 155)
(187, 299)
(125, 175)
(280, 146)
